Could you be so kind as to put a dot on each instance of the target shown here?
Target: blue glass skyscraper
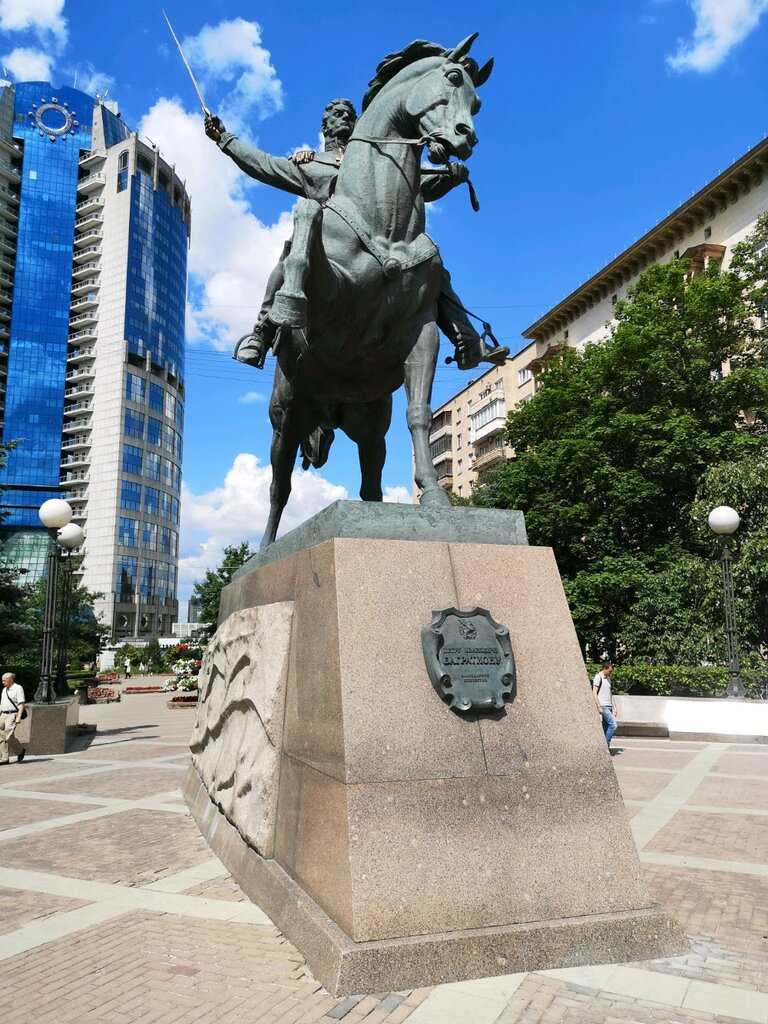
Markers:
(94, 228)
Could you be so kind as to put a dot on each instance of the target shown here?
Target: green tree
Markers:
(207, 592)
(84, 633)
(153, 655)
(612, 451)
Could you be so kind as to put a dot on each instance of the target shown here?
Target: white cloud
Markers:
(43, 17)
(252, 396)
(399, 495)
(28, 65)
(720, 25)
(231, 52)
(238, 511)
(232, 252)
(92, 81)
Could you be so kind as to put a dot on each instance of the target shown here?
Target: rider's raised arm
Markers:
(272, 170)
(278, 171)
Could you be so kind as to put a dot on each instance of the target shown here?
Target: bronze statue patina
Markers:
(356, 313)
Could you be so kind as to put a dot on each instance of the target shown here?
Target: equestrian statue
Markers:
(353, 308)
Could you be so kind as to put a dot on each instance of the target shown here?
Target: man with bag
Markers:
(601, 688)
(11, 713)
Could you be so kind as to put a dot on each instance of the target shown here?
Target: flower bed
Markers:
(142, 689)
(183, 700)
(102, 695)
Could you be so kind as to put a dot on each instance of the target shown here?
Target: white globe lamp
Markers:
(724, 520)
(55, 513)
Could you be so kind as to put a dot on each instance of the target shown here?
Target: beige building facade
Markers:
(467, 431)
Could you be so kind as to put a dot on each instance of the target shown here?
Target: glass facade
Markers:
(34, 398)
(89, 189)
(157, 274)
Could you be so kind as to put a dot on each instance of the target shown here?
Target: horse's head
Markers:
(438, 94)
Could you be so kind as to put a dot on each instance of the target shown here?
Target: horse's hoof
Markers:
(289, 310)
(434, 496)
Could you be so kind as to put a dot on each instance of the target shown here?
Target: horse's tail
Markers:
(315, 447)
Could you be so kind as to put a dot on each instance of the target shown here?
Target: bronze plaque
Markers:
(469, 659)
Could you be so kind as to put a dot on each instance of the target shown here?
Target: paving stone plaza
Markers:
(114, 911)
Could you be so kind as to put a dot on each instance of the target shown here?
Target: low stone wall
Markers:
(694, 718)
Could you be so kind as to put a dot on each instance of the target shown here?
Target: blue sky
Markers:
(599, 118)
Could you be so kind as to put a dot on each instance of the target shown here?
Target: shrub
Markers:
(682, 680)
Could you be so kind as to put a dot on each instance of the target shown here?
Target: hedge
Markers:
(682, 680)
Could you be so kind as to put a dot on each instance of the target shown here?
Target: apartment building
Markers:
(467, 431)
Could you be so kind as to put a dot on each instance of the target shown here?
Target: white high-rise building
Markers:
(94, 369)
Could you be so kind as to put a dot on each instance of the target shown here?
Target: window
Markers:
(707, 233)
(126, 577)
(615, 297)
(152, 466)
(132, 458)
(500, 384)
(155, 397)
(523, 376)
(154, 430)
(128, 532)
(459, 465)
(149, 536)
(135, 388)
(492, 411)
(565, 334)
(133, 424)
(130, 495)
(152, 501)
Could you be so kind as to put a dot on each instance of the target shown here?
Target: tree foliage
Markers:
(23, 654)
(207, 592)
(628, 444)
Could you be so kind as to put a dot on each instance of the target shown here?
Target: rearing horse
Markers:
(358, 305)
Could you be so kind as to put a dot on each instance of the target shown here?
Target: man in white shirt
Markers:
(601, 689)
(11, 709)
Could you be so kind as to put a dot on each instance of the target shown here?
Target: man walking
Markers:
(601, 688)
(11, 709)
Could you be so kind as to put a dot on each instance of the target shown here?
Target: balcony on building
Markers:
(488, 454)
(80, 355)
(85, 271)
(75, 461)
(81, 442)
(444, 469)
(88, 220)
(441, 449)
(91, 182)
(9, 221)
(75, 425)
(77, 408)
(86, 334)
(82, 373)
(89, 316)
(6, 262)
(489, 418)
(10, 170)
(85, 296)
(441, 423)
(93, 158)
(88, 237)
(86, 254)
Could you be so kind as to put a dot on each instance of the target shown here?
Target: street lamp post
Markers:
(55, 515)
(724, 521)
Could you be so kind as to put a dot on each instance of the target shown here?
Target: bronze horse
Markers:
(361, 282)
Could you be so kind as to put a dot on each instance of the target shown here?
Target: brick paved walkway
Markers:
(114, 911)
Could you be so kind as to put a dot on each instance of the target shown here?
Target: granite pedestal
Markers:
(49, 728)
(398, 843)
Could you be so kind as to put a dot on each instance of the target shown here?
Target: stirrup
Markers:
(258, 363)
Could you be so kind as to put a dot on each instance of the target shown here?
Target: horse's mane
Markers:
(394, 63)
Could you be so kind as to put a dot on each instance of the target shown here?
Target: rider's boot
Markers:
(255, 348)
(471, 348)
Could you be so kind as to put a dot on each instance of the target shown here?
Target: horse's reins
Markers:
(439, 171)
